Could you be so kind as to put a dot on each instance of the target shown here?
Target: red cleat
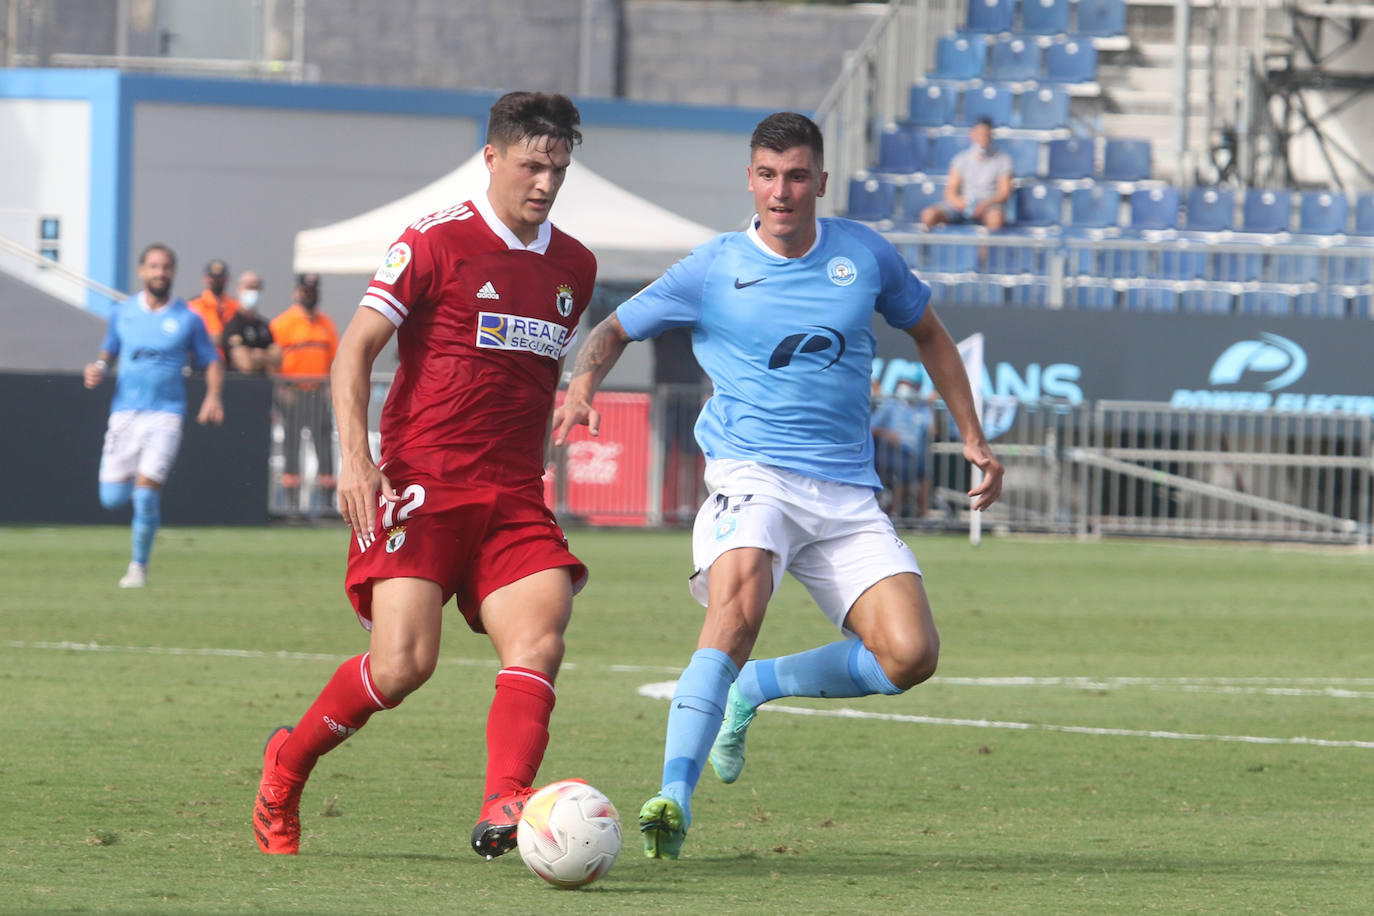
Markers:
(494, 834)
(276, 814)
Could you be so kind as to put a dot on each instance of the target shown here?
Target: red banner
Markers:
(607, 475)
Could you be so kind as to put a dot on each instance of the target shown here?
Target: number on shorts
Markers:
(726, 504)
(412, 498)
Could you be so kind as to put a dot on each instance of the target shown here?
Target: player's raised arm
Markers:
(351, 382)
(941, 360)
(594, 360)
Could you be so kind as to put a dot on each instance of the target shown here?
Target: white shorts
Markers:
(140, 442)
(833, 537)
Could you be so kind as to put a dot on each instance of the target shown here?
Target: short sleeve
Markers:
(403, 280)
(671, 301)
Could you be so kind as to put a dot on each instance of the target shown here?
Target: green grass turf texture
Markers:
(127, 773)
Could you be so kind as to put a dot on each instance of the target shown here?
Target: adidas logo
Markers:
(488, 291)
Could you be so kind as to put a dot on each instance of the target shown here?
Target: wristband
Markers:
(101, 365)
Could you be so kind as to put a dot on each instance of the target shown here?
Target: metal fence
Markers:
(1110, 468)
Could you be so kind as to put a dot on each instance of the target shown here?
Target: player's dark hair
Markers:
(519, 116)
(157, 246)
(784, 130)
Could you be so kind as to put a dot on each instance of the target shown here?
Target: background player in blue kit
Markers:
(781, 322)
(154, 336)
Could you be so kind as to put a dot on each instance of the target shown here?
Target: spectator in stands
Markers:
(247, 339)
(901, 427)
(308, 341)
(213, 307)
(979, 184)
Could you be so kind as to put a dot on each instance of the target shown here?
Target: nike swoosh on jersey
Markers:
(739, 285)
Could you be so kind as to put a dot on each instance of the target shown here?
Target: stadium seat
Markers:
(1364, 214)
(1322, 212)
(1096, 207)
(990, 101)
(1101, 17)
(950, 258)
(1151, 299)
(933, 105)
(871, 199)
(1210, 209)
(1071, 159)
(1070, 62)
(901, 150)
(1044, 109)
(1234, 267)
(1264, 302)
(1182, 263)
(1045, 17)
(1267, 211)
(959, 57)
(942, 151)
(1097, 295)
(1033, 295)
(1154, 208)
(989, 16)
(1330, 304)
(1207, 301)
(916, 197)
(1126, 159)
(1039, 205)
(1025, 155)
(1014, 59)
(1009, 259)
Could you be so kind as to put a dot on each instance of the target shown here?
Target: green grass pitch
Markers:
(1116, 727)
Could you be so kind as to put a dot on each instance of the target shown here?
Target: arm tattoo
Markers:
(600, 348)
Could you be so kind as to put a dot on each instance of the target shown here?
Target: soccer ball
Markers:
(569, 833)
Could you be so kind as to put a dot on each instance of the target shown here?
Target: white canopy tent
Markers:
(633, 240)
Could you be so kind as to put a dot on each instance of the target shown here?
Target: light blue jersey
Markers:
(787, 342)
(154, 348)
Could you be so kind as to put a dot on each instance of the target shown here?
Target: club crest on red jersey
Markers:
(395, 538)
(564, 300)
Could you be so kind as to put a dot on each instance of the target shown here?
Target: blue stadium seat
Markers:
(959, 57)
(1322, 212)
(1126, 159)
(871, 199)
(1071, 159)
(990, 15)
(1033, 295)
(1045, 17)
(1328, 304)
(1097, 295)
(942, 151)
(1265, 302)
(1025, 155)
(1151, 299)
(1237, 267)
(1267, 211)
(1154, 208)
(1364, 214)
(933, 105)
(1097, 207)
(1207, 301)
(1039, 205)
(1101, 17)
(1044, 109)
(1014, 59)
(990, 101)
(1182, 263)
(1070, 62)
(1210, 209)
(919, 195)
(1009, 259)
(950, 258)
(901, 150)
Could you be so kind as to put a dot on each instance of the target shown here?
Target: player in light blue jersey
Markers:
(781, 317)
(154, 336)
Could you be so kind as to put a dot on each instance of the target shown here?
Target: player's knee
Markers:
(912, 661)
(116, 494)
(397, 677)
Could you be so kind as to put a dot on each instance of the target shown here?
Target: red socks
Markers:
(517, 729)
(347, 701)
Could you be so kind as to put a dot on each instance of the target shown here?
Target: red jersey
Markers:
(484, 322)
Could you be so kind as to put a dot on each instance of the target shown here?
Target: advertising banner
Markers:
(607, 476)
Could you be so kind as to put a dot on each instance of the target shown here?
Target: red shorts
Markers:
(469, 539)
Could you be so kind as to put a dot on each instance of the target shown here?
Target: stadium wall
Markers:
(56, 430)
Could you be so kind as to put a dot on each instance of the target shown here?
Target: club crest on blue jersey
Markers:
(564, 300)
(170, 326)
(841, 271)
(496, 331)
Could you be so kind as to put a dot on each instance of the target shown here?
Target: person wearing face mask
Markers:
(308, 340)
(212, 305)
(247, 340)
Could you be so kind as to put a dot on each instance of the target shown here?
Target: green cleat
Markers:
(727, 754)
(664, 827)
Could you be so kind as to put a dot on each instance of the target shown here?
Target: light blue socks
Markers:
(841, 669)
(147, 519)
(693, 720)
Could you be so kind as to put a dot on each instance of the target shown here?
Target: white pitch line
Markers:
(663, 690)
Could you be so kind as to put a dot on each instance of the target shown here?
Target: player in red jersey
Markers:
(484, 299)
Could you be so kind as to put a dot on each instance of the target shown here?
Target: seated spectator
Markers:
(247, 339)
(979, 184)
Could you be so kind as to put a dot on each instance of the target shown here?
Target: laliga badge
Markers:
(394, 264)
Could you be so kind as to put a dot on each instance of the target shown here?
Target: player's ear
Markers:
(489, 154)
(821, 191)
